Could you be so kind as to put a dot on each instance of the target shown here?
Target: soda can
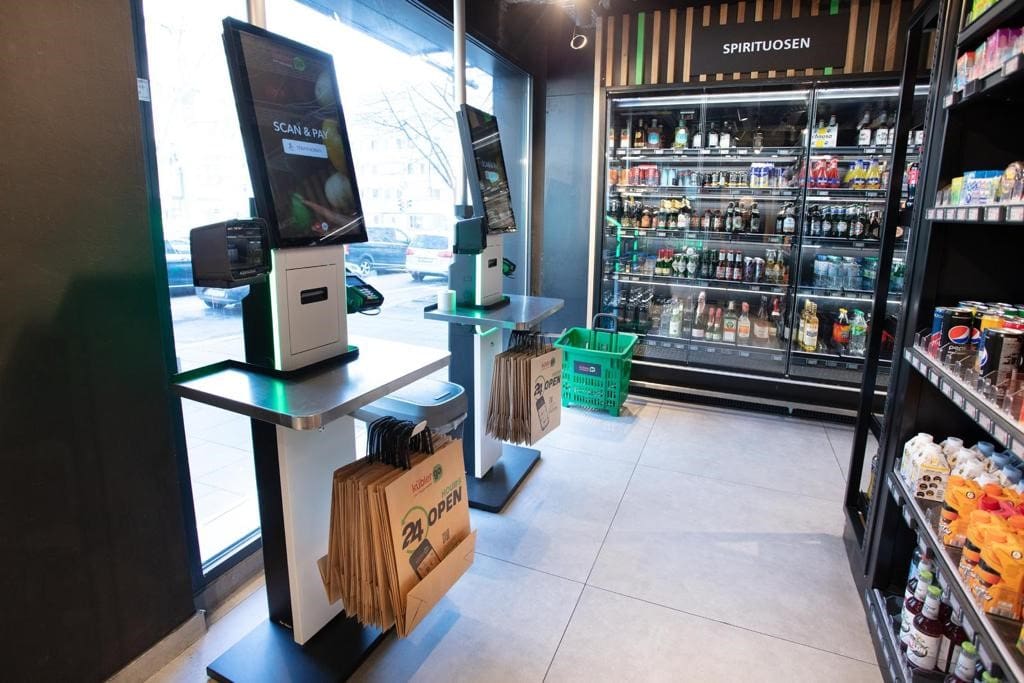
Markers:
(1000, 352)
(990, 319)
(940, 311)
(957, 325)
(1012, 322)
(973, 305)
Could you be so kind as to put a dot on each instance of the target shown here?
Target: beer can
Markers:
(759, 264)
(1000, 352)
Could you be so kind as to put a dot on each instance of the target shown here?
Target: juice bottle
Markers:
(873, 179)
(926, 633)
(912, 605)
(963, 670)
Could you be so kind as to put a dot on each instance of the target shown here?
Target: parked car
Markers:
(384, 250)
(428, 255)
(178, 254)
(215, 297)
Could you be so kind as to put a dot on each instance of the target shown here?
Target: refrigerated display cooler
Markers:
(740, 231)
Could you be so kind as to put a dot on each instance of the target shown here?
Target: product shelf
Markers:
(806, 292)
(846, 195)
(993, 18)
(757, 194)
(701, 283)
(997, 635)
(883, 624)
(718, 237)
(1000, 83)
(808, 242)
(988, 213)
(857, 152)
(736, 154)
(980, 409)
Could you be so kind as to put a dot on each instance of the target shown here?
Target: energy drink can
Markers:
(1000, 352)
(990, 319)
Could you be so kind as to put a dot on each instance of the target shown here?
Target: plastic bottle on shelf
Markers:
(965, 664)
(858, 333)
(841, 330)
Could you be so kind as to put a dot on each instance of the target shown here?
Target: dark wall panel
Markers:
(568, 141)
(95, 567)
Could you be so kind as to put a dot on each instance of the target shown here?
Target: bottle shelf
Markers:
(757, 194)
(854, 152)
(991, 213)
(997, 635)
(865, 295)
(1001, 83)
(832, 360)
(993, 18)
(822, 244)
(701, 283)
(882, 622)
(984, 412)
(717, 237)
(734, 154)
(845, 195)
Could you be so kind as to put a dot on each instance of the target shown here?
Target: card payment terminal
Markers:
(361, 297)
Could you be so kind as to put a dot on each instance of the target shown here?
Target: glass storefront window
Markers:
(203, 179)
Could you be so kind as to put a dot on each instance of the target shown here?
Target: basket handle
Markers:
(593, 328)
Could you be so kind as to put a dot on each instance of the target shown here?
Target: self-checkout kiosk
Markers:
(302, 380)
(483, 312)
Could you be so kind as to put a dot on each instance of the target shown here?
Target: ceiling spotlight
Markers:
(578, 40)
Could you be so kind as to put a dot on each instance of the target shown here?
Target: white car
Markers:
(428, 255)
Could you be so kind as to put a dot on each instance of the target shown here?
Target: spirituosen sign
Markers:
(803, 43)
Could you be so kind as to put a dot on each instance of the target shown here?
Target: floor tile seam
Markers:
(732, 625)
(740, 483)
(835, 453)
(526, 566)
(582, 451)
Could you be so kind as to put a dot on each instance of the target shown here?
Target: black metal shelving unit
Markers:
(955, 253)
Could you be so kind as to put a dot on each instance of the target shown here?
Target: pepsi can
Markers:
(940, 311)
(1000, 353)
(957, 329)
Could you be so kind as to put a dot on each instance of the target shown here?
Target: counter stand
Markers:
(493, 470)
(302, 432)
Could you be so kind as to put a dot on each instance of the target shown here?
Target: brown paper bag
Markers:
(545, 400)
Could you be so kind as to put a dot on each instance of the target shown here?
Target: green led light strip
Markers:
(639, 75)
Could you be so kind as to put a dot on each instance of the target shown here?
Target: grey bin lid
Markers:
(442, 404)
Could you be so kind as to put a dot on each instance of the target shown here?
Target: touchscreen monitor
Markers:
(295, 138)
(485, 169)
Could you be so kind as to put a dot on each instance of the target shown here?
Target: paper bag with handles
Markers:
(432, 546)
(545, 398)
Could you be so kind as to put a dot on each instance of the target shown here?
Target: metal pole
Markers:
(459, 69)
(257, 11)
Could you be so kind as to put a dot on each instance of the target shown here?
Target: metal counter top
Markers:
(312, 400)
(520, 313)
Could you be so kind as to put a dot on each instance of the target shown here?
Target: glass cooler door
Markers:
(704, 200)
(850, 156)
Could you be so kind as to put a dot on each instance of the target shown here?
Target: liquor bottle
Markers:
(729, 323)
(864, 129)
(624, 137)
(675, 326)
(712, 327)
(776, 329)
(858, 333)
(780, 219)
(639, 135)
(645, 218)
(654, 135)
(698, 137)
(816, 221)
(737, 267)
(612, 138)
(729, 211)
(832, 131)
(809, 334)
(713, 135)
(700, 317)
(761, 323)
(755, 219)
(966, 663)
(716, 221)
(725, 139)
(789, 221)
(758, 137)
(737, 217)
(719, 325)
(720, 268)
(841, 330)
(857, 222)
(743, 325)
(705, 221)
(842, 225)
(682, 136)
(912, 605)
(828, 222)
(875, 226)
(926, 633)
(881, 126)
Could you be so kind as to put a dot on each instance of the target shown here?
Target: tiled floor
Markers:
(675, 543)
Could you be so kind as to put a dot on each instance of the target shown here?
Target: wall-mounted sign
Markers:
(805, 43)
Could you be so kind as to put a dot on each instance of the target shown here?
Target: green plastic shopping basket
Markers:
(596, 365)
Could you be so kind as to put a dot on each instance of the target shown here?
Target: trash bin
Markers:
(442, 404)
